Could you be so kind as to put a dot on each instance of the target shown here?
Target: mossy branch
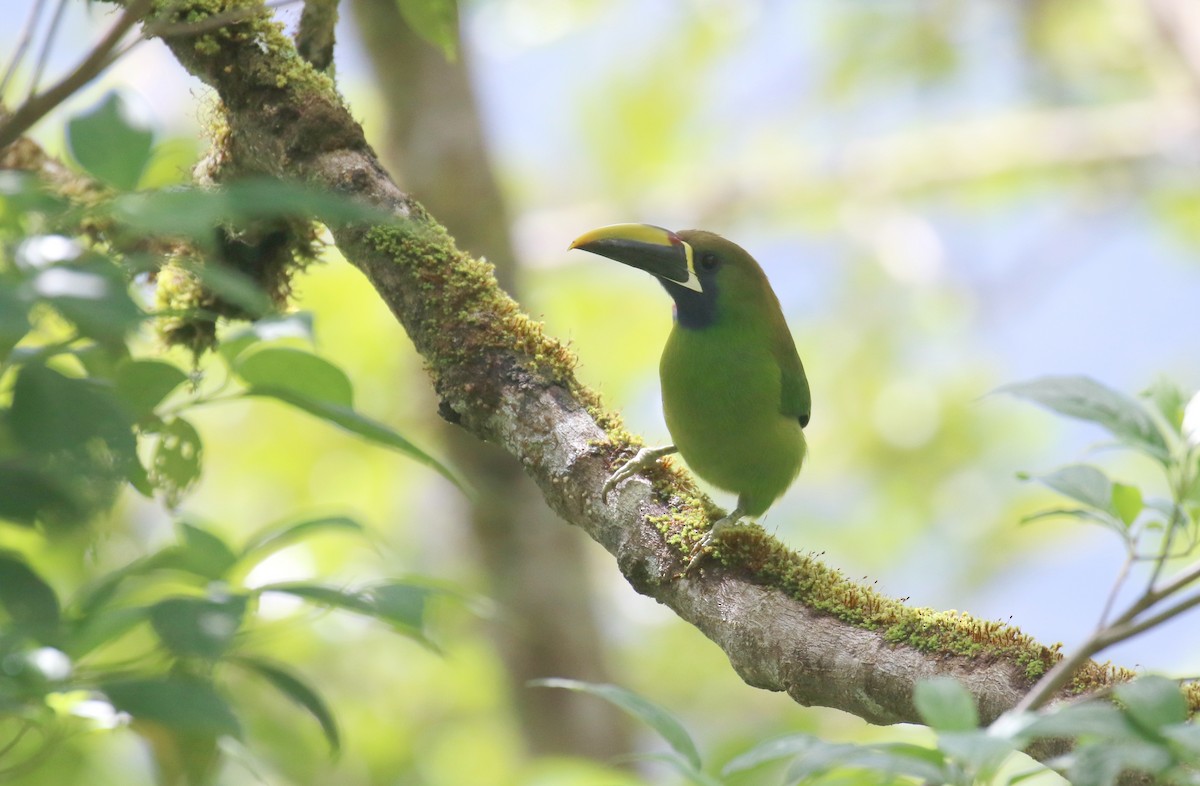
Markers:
(787, 621)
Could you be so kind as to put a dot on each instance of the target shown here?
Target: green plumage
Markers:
(735, 396)
(734, 390)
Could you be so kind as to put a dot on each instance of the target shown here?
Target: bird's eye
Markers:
(708, 261)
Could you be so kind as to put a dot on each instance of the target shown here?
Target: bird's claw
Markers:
(643, 459)
(703, 546)
(698, 552)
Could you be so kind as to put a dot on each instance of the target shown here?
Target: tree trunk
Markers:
(537, 568)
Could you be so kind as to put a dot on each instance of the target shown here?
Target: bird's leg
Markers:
(719, 526)
(644, 459)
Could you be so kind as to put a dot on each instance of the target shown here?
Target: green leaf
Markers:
(231, 285)
(30, 602)
(402, 604)
(680, 765)
(295, 370)
(299, 691)
(1101, 763)
(94, 296)
(143, 384)
(945, 704)
(1092, 718)
(201, 553)
(28, 494)
(139, 478)
(14, 318)
(100, 627)
(434, 20)
(198, 627)
(1086, 399)
(361, 425)
(1127, 502)
(890, 760)
(1168, 399)
(1095, 517)
(99, 361)
(771, 750)
(819, 758)
(22, 193)
(913, 761)
(351, 600)
(1093, 765)
(96, 594)
(110, 144)
(1190, 427)
(1153, 701)
(273, 539)
(191, 213)
(1115, 505)
(194, 212)
(1165, 508)
(183, 704)
(261, 197)
(178, 460)
(1082, 483)
(271, 328)
(1021, 777)
(979, 752)
(1185, 735)
(654, 716)
(52, 412)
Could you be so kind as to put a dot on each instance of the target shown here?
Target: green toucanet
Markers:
(735, 397)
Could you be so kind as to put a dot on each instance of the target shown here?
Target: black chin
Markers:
(693, 310)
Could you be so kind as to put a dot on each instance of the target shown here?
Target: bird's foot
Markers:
(703, 547)
(643, 459)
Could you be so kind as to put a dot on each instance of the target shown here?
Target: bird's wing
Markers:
(796, 400)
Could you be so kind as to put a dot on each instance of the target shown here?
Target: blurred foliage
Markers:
(1146, 730)
(158, 643)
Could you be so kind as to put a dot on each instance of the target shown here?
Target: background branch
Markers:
(102, 55)
(433, 142)
(1179, 28)
(315, 37)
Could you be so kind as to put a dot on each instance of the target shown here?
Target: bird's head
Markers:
(707, 275)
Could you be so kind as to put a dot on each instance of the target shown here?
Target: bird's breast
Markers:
(722, 404)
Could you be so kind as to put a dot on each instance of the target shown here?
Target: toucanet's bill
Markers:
(735, 396)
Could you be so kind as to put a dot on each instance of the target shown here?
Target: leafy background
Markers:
(917, 277)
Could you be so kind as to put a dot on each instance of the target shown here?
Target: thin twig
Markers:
(1180, 581)
(1122, 632)
(47, 46)
(210, 23)
(1176, 23)
(50, 741)
(1057, 677)
(23, 42)
(1122, 628)
(20, 735)
(1173, 525)
(1130, 556)
(88, 69)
